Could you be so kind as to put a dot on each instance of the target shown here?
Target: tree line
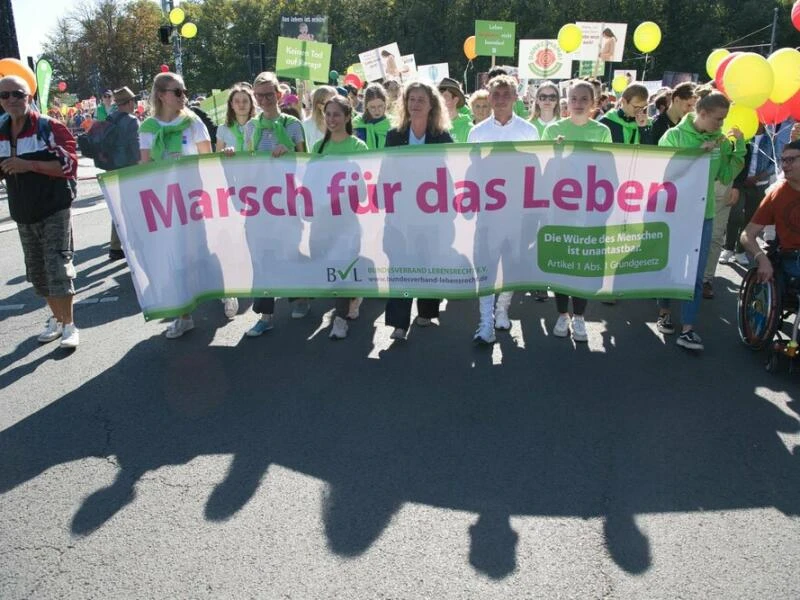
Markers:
(114, 42)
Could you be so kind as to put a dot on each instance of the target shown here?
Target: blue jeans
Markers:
(690, 308)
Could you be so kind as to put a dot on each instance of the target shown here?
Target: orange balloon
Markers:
(14, 66)
(469, 48)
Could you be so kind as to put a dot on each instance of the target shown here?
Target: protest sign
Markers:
(306, 28)
(602, 41)
(543, 59)
(216, 106)
(591, 220)
(495, 38)
(591, 68)
(297, 59)
(630, 75)
(382, 63)
(433, 74)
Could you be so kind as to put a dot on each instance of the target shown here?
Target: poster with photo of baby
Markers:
(384, 63)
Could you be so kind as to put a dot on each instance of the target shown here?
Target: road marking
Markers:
(96, 300)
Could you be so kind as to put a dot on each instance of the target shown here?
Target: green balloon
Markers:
(333, 75)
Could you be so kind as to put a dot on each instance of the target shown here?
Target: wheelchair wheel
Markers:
(759, 311)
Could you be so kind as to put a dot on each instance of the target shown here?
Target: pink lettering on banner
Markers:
(152, 206)
(528, 200)
(292, 192)
(593, 185)
(567, 189)
(223, 195)
(201, 209)
(671, 193)
(495, 192)
(439, 187)
(247, 197)
(468, 199)
(269, 205)
(630, 191)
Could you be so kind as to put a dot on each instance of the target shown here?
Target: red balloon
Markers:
(164, 68)
(793, 104)
(62, 86)
(721, 70)
(353, 80)
(770, 113)
(796, 15)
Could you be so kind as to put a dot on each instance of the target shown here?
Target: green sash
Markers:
(630, 129)
(168, 138)
(376, 131)
(276, 126)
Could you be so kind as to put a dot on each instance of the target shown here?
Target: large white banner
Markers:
(422, 221)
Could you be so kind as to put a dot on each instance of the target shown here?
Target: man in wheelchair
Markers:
(770, 291)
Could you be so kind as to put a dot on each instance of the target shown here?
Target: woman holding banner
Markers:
(423, 120)
(578, 127)
(372, 126)
(339, 139)
(314, 125)
(546, 107)
(702, 129)
(173, 131)
(241, 108)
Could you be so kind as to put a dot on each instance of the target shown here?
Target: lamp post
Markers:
(179, 28)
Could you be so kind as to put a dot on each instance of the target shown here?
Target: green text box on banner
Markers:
(495, 38)
(451, 221)
(298, 59)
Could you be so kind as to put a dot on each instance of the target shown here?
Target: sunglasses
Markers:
(177, 91)
(551, 97)
(786, 160)
(18, 94)
(106, 95)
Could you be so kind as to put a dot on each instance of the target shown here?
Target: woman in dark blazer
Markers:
(423, 120)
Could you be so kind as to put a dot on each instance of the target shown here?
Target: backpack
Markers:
(99, 142)
(212, 129)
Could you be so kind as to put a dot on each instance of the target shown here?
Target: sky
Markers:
(35, 19)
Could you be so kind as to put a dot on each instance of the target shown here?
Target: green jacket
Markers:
(726, 160)
(461, 127)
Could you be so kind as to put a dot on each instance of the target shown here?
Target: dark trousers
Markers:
(398, 311)
(578, 304)
(266, 306)
(749, 199)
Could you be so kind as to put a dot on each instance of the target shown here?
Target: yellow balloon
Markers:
(189, 30)
(619, 83)
(713, 60)
(469, 48)
(785, 65)
(749, 80)
(570, 37)
(647, 37)
(742, 117)
(176, 16)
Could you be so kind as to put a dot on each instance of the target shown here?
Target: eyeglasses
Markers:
(550, 97)
(177, 91)
(264, 96)
(785, 160)
(106, 95)
(18, 94)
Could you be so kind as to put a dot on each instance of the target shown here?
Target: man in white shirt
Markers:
(502, 126)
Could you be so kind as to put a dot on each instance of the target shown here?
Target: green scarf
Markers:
(239, 135)
(630, 129)
(460, 128)
(276, 126)
(168, 138)
(376, 131)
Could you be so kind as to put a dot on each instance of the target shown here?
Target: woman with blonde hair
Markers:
(546, 106)
(171, 132)
(423, 120)
(479, 106)
(314, 125)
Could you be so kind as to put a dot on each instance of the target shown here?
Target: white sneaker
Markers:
(501, 319)
(485, 333)
(423, 322)
(230, 306)
(52, 331)
(179, 326)
(339, 329)
(398, 334)
(562, 326)
(742, 259)
(726, 257)
(579, 330)
(353, 311)
(70, 337)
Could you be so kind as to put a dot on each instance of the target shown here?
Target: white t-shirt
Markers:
(192, 135)
(225, 134)
(515, 130)
(313, 134)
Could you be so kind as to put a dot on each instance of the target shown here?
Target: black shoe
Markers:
(690, 340)
(116, 255)
(664, 324)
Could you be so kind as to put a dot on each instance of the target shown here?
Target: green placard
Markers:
(298, 59)
(216, 106)
(495, 38)
(591, 68)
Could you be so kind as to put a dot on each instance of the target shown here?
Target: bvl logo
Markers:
(337, 275)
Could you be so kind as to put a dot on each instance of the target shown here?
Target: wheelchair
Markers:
(763, 309)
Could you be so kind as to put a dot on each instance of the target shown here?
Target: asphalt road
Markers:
(291, 466)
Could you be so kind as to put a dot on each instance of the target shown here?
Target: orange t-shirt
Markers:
(781, 207)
